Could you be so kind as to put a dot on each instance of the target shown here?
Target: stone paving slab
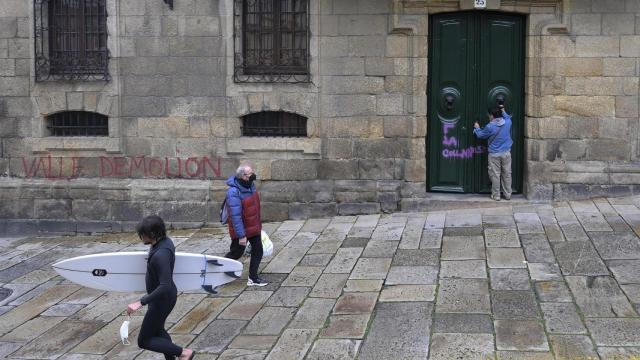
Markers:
(509, 279)
(462, 323)
(217, 335)
(625, 271)
(615, 353)
(462, 346)
(599, 296)
(293, 344)
(505, 258)
(344, 260)
(412, 275)
(346, 326)
(579, 258)
(462, 248)
(616, 246)
(370, 269)
(312, 314)
(404, 293)
(431, 239)
(521, 281)
(380, 248)
(411, 323)
(614, 332)
(463, 296)
(35, 306)
(501, 238)
(521, 335)
(467, 269)
(537, 249)
(329, 285)
(200, 316)
(269, 321)
(32, 329)
(514, 305)
(562, 318)
(572, 347)
(59, 339)
(553, 291)
(338, 349)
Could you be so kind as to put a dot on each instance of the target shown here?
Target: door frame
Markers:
(518, 151)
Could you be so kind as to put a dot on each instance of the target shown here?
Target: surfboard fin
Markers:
(232, 274)
(214, 262)
(209, 289)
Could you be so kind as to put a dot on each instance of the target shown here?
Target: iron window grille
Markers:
(274, 123)
(71, 40)
(78, 123)
(271, 41)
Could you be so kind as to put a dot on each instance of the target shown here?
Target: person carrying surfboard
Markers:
(245, 224)
(162, 293)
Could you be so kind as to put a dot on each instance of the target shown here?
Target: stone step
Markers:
(442, 202)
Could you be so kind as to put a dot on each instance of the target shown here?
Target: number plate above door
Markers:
(480, 4)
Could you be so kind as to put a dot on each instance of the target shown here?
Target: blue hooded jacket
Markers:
(235, 194)
(498, 131)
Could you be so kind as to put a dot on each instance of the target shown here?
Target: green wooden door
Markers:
(475, 59)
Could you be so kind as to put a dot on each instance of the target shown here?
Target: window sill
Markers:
(279, 147)
(79, 143)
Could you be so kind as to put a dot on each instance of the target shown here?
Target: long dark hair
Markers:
(152, 226)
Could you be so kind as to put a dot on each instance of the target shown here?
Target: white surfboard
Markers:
(125, 271)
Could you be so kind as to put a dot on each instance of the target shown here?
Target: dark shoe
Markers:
(256, 282)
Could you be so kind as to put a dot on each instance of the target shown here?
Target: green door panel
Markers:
(475, 58)
(448, 102)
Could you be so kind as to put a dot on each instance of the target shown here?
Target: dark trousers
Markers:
(236, 250)
(153, 336)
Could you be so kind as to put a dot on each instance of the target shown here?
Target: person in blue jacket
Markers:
(498, 135)
(245, 224)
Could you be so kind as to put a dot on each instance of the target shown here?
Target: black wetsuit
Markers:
(161, 298)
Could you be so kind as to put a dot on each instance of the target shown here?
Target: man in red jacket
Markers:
(243, 202)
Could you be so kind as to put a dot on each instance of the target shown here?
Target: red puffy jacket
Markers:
(250, 217)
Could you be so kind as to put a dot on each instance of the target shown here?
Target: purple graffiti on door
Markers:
(462, 154)
(448, 141)
(451, 143)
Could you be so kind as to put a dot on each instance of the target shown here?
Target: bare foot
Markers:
(187, 354)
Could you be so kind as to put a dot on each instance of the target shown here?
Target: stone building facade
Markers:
(175, 112)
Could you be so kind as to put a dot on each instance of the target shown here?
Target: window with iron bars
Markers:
(77, 123)
(71, 40)
(274, 123)
(271, 40)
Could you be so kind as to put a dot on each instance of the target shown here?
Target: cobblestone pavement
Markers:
(526, 281)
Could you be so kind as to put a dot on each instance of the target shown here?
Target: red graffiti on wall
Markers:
(50, 167)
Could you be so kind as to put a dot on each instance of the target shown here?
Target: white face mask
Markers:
(124, 332)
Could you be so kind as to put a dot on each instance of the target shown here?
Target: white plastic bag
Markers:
(267, 245)
(124, 331)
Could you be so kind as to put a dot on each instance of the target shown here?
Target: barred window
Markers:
(274, 123)
(77, 123)
(71, 40)
(271, 39)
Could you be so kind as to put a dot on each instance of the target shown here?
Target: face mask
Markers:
(124, 332)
